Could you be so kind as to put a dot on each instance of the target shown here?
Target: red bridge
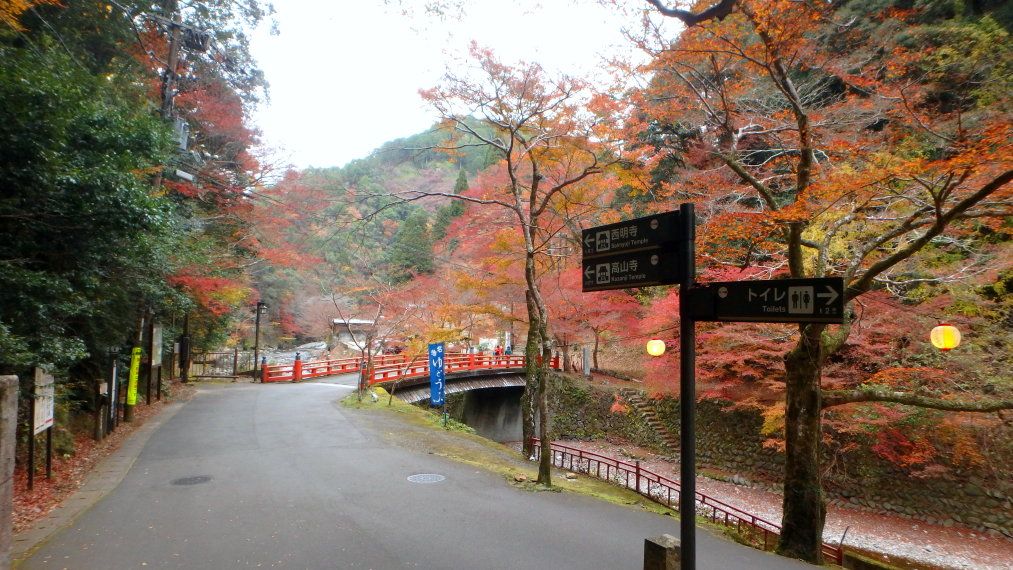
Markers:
(398, 368)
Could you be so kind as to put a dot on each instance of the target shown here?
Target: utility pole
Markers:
(261, 308)
(169, 78)
(168, 82)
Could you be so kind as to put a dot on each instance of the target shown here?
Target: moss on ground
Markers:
(458, 442)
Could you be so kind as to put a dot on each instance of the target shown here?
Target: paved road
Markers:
(283, 477)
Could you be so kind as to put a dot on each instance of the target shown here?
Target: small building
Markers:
(351, 333)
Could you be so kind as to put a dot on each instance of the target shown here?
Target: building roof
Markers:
(351, 322)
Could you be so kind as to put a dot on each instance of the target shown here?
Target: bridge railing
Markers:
(317, 368)
(453, 363)
(392, 367)
(665, 491)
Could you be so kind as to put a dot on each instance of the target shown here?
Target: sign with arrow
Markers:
(634, 253)
(773, 301)
(625, 270)
(649, 232)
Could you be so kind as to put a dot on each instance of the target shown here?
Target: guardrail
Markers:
(454, 362)
(391, 367)
(300, 370)
(660, 489)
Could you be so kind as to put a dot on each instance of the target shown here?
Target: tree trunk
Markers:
(804, 509)
(545, 463)
(594, 355)
(528, 398)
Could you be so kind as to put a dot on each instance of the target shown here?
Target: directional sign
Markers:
(657, 231)
(773, 301)
(625, 270)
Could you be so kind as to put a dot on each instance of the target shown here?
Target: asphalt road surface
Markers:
(281, 476)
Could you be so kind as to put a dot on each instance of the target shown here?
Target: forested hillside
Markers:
(330, 232)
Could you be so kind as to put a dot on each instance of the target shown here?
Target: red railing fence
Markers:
(391, 367)
(665, 491)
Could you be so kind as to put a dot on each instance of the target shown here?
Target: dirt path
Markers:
(907, 543)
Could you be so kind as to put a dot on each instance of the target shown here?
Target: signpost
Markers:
(649, 232)
(437, 393)
(635, 253)
(113, 389)
(626, 270)
(45, 398)
(661, 250)
(43, 402)
(155, 362)
(135, 366)
(772, 301)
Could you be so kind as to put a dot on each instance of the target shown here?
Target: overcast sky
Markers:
(345, 76)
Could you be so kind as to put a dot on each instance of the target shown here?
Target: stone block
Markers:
(8, 429)
(662, 553)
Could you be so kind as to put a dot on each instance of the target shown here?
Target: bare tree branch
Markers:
(833, 398)
(720, 11)
(865, 281)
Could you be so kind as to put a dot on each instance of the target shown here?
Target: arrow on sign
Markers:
(588, 240)
(831, 293)
(589, 272)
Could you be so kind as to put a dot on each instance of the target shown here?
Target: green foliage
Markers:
(83, 237)
(446, 214)
(411, 251)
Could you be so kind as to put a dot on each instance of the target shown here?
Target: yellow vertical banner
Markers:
(135, 367)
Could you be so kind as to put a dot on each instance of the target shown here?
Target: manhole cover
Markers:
(426, 478)
(195, 480)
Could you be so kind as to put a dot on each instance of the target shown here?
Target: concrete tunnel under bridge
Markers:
(492, 405)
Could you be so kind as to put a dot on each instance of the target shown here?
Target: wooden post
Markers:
(638, 475)
(98, 431)
(31, 441)
(172, 361)
(135, 365)
(297, 369)
(149, 367)
(49, 453)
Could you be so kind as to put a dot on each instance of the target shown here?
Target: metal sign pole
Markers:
(49, 453)
(31, 442)
(150, 362)
(687, 389)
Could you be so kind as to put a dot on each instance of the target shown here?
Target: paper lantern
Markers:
(945, 336)
(655, 347)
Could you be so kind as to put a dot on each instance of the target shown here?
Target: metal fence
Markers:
(221, 364)
(757, 531)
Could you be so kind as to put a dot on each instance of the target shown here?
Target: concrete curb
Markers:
(99, 483)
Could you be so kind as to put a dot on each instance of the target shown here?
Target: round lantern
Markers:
(655, 347)
(945, 337)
